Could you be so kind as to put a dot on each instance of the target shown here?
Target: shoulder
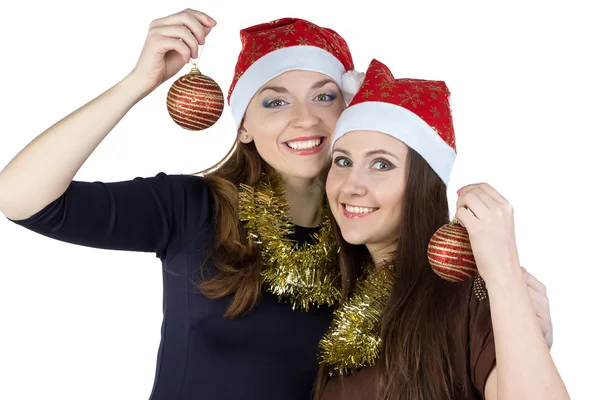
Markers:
(191, 194)
(183, 187)
(191, 206)
(183, 180)
(185, 202)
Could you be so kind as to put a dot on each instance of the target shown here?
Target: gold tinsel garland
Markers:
(303, 275)
(353, 340)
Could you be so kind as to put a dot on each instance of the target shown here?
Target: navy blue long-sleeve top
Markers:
(269, 353)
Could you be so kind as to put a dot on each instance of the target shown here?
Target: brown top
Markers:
(480, 356)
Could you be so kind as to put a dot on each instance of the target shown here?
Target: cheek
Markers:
(267, 132)
(266, 124)
(331, 186)
(330, 115)
(263, 138)
(335, 183)
(392, 199)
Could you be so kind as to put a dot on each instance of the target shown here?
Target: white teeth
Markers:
(358, 210)
(303, 145)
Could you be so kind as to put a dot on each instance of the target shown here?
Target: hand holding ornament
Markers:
(170, 43)
(489, 220)
(490, 235)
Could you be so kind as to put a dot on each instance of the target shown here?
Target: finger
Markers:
(540, 304)
(535, 303)
(549, 337)
(166, 44)
(204, 18)
(546, 329)
(486, 199)
(466, 218)
(186, 19)
(533, 282)
(545, 326)
(201, 17)
(198, 23)
(179, 32)
(487, 188)
(473, 202)
(195, 26)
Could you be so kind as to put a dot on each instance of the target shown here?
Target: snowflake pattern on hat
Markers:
(428, 99)
(262, 39)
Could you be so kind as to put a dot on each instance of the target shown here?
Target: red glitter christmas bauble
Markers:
(450, 253)
(195, 101)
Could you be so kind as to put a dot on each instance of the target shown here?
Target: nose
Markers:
(355, 183)
(304, 115)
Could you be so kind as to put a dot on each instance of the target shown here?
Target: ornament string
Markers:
(195, 63)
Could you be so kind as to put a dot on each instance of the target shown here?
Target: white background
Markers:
(79, 323)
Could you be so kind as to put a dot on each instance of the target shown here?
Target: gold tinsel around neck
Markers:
(353, 340)
(305, 275)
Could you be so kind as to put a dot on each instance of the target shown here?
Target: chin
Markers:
(307, 171)
(355, 238)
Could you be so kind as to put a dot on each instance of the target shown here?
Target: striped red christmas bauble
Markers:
(450, 253)
(195, 101)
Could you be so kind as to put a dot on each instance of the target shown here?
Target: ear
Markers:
(244, 136)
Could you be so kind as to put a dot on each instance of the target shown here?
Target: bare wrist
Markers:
(133, 88)
(505, 279)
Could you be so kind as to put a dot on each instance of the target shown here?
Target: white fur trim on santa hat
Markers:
(351, 82)
(402, 124)
(275, 63)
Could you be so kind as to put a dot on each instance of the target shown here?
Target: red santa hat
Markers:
(270, 49)
(415, 111)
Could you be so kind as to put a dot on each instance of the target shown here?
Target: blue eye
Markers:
(326, 97)
(273, 103)
(382, 165)
(342, 161)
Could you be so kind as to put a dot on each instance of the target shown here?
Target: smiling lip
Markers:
(357, 211)
(306, 151)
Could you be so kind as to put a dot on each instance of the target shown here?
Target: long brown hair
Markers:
(236, 258)
(420, 320)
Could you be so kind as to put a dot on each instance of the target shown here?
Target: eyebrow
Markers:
(281, 89)
(369, 153)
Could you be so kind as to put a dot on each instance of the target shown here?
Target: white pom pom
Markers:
(351, 82)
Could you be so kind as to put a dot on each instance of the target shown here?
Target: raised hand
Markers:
(171, 42)
(488, 218)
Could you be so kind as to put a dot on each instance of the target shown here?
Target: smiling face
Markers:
(365, 188)
(291, 120)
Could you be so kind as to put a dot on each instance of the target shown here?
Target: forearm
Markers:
(525, 369)
(42, 170)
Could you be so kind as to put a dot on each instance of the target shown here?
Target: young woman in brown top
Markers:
(402, 332)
